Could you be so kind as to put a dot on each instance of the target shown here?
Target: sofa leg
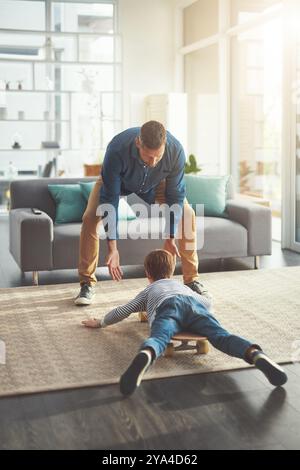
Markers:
(256, 262)
(35, 278)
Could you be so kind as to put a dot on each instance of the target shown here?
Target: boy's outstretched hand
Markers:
(91, 323)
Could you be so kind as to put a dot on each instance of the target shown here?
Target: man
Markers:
(150, 162)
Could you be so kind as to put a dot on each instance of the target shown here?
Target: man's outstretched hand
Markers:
(113, 264)
(171, 247)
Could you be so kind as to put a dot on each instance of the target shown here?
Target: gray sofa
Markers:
(37, 244)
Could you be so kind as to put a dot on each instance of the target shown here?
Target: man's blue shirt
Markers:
(124, 172)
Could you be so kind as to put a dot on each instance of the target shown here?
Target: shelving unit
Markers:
(74, 76)
(67, 105)
(34, 120)
(70, 69)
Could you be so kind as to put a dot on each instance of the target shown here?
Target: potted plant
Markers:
(191, 165)
(245, 171)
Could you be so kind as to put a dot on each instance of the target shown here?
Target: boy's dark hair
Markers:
(153, 135)
(159, 264)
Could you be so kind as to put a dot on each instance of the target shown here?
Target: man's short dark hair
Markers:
(153, 135)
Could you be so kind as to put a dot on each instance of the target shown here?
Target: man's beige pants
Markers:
(89, 239)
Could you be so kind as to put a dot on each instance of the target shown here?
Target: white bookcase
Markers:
(59, 85)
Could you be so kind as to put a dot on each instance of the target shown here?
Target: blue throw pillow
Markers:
(86, 189)
(70, 203)
(207, 190)
(124, 210)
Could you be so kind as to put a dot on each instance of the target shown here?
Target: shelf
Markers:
(57, 120)
(64, 63)
(51, 150)
(33, 150)
(59, 92)
(58, 33)
(34, 120)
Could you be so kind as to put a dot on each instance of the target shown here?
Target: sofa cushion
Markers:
(216, 237)
(221, 238)
(66, 246)
(132, 249)
(208, 190)
(70, 203)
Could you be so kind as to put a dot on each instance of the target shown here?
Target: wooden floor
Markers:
(230, 410)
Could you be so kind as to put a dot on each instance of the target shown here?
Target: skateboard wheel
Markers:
(143, 317)
(169, 351)
(202, 347)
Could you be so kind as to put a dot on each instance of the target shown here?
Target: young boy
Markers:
(171, 308)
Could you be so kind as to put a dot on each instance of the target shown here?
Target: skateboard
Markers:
(143, 317)
(200, 343)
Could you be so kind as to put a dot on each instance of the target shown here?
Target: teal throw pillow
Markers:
(86, 189)
(70, 203)
(207, 190)
(124, 211)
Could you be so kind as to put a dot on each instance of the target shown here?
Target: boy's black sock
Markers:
(274, 373)
(132, 378)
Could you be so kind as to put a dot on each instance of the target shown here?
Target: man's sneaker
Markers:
(132, 378)
(274, 373)
(85, 296)
(198, 287)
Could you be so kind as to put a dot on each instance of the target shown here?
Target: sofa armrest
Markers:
(257, 220)
(30, 239)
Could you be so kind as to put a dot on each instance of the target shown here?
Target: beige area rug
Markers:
(48, 349)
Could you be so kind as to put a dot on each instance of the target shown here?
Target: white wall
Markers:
(147, 29)
(200, 20)
(202, 87)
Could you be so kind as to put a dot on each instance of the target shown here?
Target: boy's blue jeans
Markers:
(184, 313)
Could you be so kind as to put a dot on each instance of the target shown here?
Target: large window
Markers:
(242, 11)
(23, 15)
(83, 17)
(60, 83)
(233, 78)
(296, 102)
(257, 113)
